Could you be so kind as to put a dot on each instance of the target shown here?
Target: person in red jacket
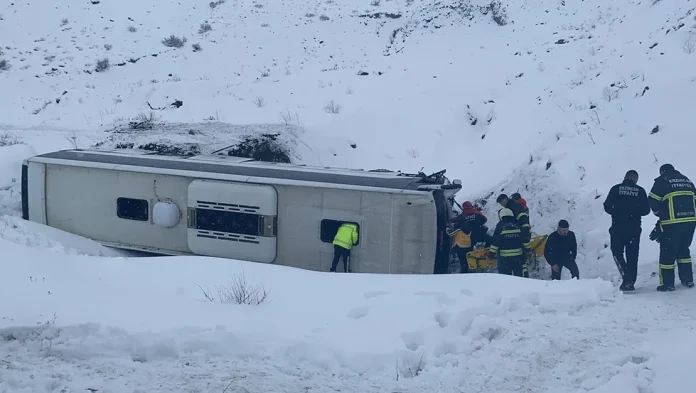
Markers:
(471, 219)
(516, 196)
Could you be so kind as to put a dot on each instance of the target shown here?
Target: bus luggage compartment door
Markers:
(233, 220)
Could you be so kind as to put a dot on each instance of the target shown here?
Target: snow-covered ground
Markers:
(554, 99)
(144, 325)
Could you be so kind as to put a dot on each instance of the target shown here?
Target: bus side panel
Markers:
(376, 247)
(34, 192)
(88, 202)
(306, 216)
(414, 227)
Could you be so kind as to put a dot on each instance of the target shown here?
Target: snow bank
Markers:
(121, 312)
(30, 234)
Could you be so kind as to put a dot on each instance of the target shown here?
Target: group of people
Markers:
(510, 244)
(672, 199)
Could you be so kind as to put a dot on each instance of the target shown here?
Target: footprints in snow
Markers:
(358, 312)
(362, 312)
(442, 318)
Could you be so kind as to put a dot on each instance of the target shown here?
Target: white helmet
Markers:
(505, 212)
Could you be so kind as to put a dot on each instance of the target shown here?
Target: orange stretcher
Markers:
(479, 262)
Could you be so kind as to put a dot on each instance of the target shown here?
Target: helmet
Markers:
(467, 205)
(505, 212)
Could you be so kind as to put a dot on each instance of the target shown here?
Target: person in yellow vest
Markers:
(461, 243)
(345, 239)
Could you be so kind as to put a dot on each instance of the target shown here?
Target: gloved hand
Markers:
(656, 233)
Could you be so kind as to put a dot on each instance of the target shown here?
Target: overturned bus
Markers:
(240, 208)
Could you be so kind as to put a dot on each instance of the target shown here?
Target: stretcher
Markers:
(478, 260)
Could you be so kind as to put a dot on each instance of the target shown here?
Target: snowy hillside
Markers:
(554, 99)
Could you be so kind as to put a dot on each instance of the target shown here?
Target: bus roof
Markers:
(240, 166)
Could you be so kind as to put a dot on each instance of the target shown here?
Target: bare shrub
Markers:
(258, 5)
(204, 28)
(64, 22)
(4, 65)
(132, 29)
(610, 94)
(102, 65)
(324, 18)
(108, 47)
(259, 102)
(310, 15)
(174, 42)
(332, 107)
(73, 140)
(196, 47)
(375, 3)
(143, 121)
(9, 139)
(497, 12)
(237, 291)
(689, 45)
(290, 118)
(216, 3)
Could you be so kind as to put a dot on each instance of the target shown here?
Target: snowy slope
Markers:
(554, 99)
(576, 86)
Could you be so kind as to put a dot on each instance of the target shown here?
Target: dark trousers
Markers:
(570, 265)
(511, 265)
(481, 237)
(625, 244)
(674, 246)
(338, 253)
(461, 255)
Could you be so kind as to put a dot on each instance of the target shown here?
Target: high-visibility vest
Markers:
(461, 239)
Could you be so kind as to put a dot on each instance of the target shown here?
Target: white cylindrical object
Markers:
(165, 214)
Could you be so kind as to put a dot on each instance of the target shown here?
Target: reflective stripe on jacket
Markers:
(509, 239)
(347, 236)
(673, 199)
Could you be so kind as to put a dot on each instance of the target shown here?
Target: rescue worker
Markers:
(627, 203)
(475, 221)
(345, 239)
(520, 215)
(509, 245)
(518, 198)
(531, 260)
(462, 244)
(673, 200)
(561, 250)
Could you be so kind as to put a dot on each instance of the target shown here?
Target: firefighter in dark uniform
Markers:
(673, 200)
(509, 245)
(521, 216)
(627, 203)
